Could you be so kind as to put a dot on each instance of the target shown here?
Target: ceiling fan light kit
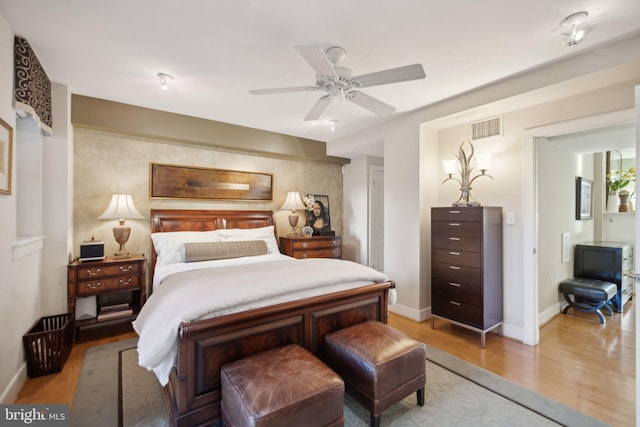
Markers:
(339, 82)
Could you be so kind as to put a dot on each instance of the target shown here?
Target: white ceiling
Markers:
(218, 50)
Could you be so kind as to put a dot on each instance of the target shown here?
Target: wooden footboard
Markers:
(193, 392)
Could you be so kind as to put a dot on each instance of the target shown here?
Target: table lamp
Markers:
(121, 208)
(293, 203)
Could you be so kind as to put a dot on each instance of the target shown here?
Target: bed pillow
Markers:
(168, 246)
(242, 234)
(205, 251)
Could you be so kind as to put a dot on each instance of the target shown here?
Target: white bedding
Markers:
(185, 292)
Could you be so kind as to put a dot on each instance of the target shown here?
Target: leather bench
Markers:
(588, 295)
(286, 386)
(379, 365)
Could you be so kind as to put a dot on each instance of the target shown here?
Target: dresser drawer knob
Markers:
(92, 286)
(454, 303)
(454, 253)
(90, 272)
(454, 224)
(454, 267)
(304, 256)
(457, 285)
(127, 268)
(335, 242)
(454, 212)
(124, 282)
(334, 252)
(305, 245)
(454, 238)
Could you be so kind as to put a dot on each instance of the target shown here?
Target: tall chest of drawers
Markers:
(466, 267)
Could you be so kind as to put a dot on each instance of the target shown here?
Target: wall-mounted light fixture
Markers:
(164, 81)
(483, 161)
(572, 21)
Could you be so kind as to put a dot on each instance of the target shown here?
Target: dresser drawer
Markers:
(471, 244)
(93, 271)
(456, 273)
(456, 214)
(459, 311)
(457, 291)
(97, 286)
(457, 258)
(456, 228)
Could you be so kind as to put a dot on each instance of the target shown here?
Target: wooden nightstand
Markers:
(118, 284)
(311, 247)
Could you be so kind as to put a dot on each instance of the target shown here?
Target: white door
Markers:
(376, 221)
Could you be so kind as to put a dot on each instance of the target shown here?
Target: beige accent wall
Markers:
(111, 162)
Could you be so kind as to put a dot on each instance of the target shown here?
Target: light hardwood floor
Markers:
(578, 362)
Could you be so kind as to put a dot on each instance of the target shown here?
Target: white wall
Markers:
(560, 92)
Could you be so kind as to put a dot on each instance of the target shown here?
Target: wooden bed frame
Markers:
(193, 392)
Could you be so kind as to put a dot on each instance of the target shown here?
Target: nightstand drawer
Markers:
(97, 271)
(97, 286)
(318, 253)
(307, 244)
(458, 258)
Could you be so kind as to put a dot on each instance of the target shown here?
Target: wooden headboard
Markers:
(164, 220)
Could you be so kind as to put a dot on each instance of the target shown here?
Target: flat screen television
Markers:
(598, 262)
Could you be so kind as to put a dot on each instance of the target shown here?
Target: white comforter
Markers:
(209, 292)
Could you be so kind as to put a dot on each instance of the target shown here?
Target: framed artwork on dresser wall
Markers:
(6, 157)
(584, 199)
(317, 213)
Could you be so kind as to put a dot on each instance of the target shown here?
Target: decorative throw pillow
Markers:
(205, 251)
(169, 245)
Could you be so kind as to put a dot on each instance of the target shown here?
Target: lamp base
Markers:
(120, 255)
(121, 235)
(464, 204)
(293, 222)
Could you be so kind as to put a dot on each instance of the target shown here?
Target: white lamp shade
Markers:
(483, 161)
(121, 207)
(293, 201)
(449, 166)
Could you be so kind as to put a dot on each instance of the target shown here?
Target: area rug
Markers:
(114, 391)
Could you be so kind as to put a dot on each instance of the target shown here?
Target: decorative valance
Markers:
(32, 86)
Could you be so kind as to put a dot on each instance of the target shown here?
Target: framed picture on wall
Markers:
(318, 216)
(6, 156)
(584, 199)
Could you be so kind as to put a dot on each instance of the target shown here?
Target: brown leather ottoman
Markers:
(286, 386)
(380, 365)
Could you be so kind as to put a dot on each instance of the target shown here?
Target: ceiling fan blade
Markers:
(284, 90)
(393, 75)
(318, 60)
(370, 103)
(318, 108)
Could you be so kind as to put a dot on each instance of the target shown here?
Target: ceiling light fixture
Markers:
(164, 79)
(575, 36)
(333, 124)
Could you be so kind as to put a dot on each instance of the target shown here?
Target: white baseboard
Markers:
(10, 394)
(549, 314)
(411, 313)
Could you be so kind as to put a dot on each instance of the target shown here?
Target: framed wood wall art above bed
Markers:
(190, 182)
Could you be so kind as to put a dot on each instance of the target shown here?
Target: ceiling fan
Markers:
(339, 81)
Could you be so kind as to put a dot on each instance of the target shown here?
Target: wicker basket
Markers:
(48, 344)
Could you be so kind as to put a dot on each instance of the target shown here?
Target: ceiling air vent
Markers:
(487, 128)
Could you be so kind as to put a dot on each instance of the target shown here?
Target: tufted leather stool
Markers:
(380, 365)
(286, 386)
